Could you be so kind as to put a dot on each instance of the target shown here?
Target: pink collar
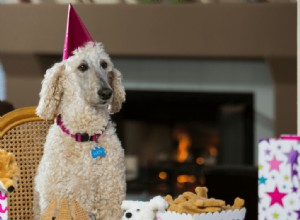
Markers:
(79, 137)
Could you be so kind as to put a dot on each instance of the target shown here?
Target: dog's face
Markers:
(88, 75)
(139, 213)
(90, 71)
(138, 210)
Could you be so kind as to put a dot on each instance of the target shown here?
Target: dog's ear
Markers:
(158, 204)
(130, 204)
(127, 204)
(51, 92)
(118, 91)
(13, 167)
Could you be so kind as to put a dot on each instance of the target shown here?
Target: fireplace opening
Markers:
(171, 137)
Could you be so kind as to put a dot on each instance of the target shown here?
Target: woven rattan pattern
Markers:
(26, 142)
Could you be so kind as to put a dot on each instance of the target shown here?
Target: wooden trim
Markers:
(284, 73)
(177, 30)
(16, 117)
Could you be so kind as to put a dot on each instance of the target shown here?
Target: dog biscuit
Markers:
(180, 199)
(201, 191)
(238, 203)
(209, 209)
(209, 202)
(189, 207)
(193, 209)
(190, 196)
(169, 199)
(198, 202)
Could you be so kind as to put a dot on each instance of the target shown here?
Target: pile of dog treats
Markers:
(198, 202)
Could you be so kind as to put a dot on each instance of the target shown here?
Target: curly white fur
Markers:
(138, 210)
(67, 169)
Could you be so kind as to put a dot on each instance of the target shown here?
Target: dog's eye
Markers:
(138, 210)
(83, 67)
(103, 64)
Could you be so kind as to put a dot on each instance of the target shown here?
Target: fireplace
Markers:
(171, 137)
(175, 141)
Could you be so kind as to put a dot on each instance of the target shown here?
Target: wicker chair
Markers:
(23, 134)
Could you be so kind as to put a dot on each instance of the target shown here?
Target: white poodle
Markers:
(83, 158)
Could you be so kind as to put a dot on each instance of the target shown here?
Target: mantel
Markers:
(242, 30)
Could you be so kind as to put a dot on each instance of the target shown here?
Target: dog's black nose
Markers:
(11, 189)
(105, 93)
(128, 215)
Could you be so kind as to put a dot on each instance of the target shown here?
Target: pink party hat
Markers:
(76, 33)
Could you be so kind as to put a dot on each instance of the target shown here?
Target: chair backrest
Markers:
(23, 134)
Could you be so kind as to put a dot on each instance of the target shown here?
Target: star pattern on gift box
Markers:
(279, 179)
(292, 160)
(298, 214)
(274, 164)
(267, 151)
(262, 180)
(276, 197)
(292, 157)
(294, 172)
(264, 139)
(294, 189)
(275, 215)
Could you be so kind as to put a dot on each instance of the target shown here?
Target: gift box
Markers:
(278, 178)
(237, 214)
(3, 206)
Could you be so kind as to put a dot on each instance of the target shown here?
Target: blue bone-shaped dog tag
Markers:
(98, 152)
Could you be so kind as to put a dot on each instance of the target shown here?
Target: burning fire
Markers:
(186, 179)
(184, 142)
(163, 175)
(213, 151)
